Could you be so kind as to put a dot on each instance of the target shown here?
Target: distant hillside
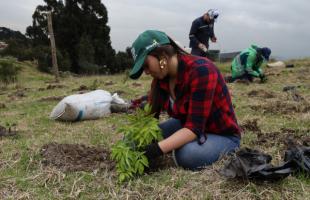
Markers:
(6, 34)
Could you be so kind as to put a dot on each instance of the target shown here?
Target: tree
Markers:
(76, 23)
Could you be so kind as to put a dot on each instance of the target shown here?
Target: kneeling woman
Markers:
(203, 125)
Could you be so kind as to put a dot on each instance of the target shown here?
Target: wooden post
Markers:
(53, 46)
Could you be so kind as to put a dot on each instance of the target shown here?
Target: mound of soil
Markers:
(52, 98)
(17, 94)
(54, 86)
(109, 83)
(81, 88)
(261, 93)
(286, 137)
(2, 105)
(7, 132)
(163, 162)
(251, 125)
(136, 84)
(76, 157)
(294, 95)
(280, 107)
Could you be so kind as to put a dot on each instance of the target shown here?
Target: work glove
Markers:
(153, 151)
(138, 103)
(203, 47)
(263, 78)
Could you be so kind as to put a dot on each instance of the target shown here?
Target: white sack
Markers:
(91, 105)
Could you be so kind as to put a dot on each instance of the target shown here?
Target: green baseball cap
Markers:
(142, 46)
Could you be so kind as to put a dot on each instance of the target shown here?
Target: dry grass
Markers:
(23, 175)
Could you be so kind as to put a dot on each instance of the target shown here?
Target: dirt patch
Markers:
(243, 81)
(17, 95)
(136, 84)
(285, 137)
(250, 125)
(163, 162)
(2, 105)
(54, 86)
(52, 98)
(76, 157)
(293, 94)
(7, 131)
(272, 74)
(109, 83)
(81, 88)
(261, 93)
(280, 107)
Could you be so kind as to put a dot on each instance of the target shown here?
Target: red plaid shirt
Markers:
(203, 102)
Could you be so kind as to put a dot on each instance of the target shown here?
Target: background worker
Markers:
(202, 30)
(247, 64)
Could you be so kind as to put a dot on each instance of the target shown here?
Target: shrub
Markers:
(142, 129)
(8, 70)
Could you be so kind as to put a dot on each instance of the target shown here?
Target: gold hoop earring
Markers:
(162, 62)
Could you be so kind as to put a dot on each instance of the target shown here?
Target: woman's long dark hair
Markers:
(156, 94)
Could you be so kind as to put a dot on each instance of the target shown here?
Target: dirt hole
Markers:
(7, 131)
(280, 107)
(76, 157)
(261, 93)
(52, 98)
(250, 125)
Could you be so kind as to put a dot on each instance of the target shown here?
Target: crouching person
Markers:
(203, 125)
(247, 64)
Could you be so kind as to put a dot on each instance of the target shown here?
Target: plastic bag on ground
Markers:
(91, 105)
(255, 165)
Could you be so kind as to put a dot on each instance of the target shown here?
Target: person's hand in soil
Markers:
(263, 78)
(153, 151)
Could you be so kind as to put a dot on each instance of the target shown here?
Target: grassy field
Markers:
(274, 115)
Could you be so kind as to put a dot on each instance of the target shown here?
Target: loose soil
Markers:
(54, 86)
(109, 83)
(76, 157)
(52, 98)
(280, 107)
(251, 125)
(163, 162)
(17, 94)
(136, 84)
(284, 138)
(294, 95)
(81, 88)
(261, 93)
(7, 132)
(2, 105)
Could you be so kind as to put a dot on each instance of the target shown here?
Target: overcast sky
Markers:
(282, 25)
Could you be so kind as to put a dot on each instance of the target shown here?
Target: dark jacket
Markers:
(201, 31)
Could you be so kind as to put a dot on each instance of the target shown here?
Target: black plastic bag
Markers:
(255, 165)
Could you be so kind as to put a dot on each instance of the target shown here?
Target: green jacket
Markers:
(247, 61)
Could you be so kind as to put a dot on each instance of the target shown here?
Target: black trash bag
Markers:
(245, 162)
(298, 157)
(253, 164)
(272, 173)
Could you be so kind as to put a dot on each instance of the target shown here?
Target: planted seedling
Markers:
(142, 129)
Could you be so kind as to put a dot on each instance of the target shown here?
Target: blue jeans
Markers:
(195, 156)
